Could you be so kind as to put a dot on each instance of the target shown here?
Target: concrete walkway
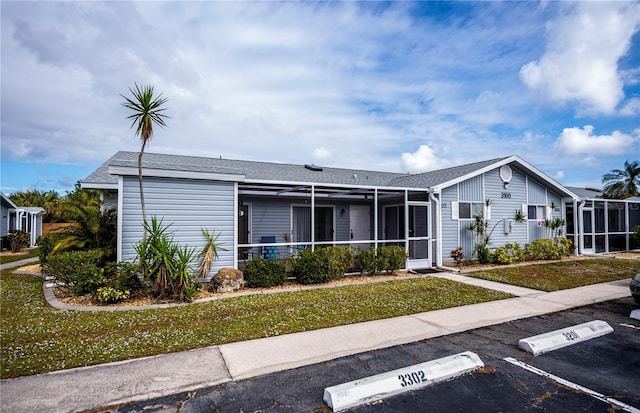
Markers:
(14, 264)
(140, 379)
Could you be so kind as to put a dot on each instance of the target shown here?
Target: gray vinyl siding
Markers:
(450, 230)
(269, 217)
(471, 190)
(4, 219)
(188, 205)
(537, 193)
(504, 203)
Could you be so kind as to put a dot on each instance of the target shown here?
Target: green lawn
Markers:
(562, 275)
(36, 338)
(5, 259)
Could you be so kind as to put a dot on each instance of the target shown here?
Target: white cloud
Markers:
(580, 63)
(558, 175)
(631, 107)
(577, 140)
(424, 159)
(321, 154)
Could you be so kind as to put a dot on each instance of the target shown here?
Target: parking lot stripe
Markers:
(572, 385)
(630, 326)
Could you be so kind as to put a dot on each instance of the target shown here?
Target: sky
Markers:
(390, 86)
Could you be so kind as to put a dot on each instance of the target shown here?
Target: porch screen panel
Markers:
(616, 216)
(301, 224)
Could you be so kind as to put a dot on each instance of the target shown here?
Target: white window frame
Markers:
(455, 209)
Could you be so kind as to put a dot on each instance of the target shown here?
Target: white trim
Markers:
(120, 217)
(512, 159)
(166, 173)
(91, 185)
(236, 201)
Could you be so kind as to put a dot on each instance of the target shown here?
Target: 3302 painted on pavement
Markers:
(413, 378)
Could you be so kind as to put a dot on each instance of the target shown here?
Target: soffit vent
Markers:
(313, 167)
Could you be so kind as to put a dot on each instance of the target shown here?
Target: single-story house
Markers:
(15, 218)
(272, 209)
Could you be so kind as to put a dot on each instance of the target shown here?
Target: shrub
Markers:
(457, 255)
(507, 254)
(18, 240)
(46, 244)
(122, 276)
(337, 259)
(483, 253)
(108, 295)
(367, 262)
(310, 267)
(548, 249)
(391, 259)
(265, 273)
(79, 270)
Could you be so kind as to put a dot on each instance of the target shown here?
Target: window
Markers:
(466, 210)
(302, 224)
(536, 212)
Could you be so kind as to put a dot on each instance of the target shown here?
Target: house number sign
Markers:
(412, 378)
(505, 195)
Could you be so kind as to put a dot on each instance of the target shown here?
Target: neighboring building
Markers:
(5, 205)
(271, 209)
(14, 218)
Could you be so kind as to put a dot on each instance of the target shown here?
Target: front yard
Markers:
(35, 338)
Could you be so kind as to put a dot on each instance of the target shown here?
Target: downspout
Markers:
(438, 239)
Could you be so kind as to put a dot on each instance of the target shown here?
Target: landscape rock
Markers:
(227, 280)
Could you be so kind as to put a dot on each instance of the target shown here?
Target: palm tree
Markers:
(147, 111)
(36, 198)
(621, 184)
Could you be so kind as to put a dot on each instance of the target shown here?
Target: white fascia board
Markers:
(169, 173)
(91, 185)
(332, 185)
(516, 159)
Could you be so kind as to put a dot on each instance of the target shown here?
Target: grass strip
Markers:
(562, 275)
(6, 259)
(36, 338)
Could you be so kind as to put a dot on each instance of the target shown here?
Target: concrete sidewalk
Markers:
(14, 264)
(140, 379)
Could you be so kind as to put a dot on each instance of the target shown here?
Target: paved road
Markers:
(609, 365)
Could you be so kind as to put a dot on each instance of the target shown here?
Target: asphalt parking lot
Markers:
(607, 365)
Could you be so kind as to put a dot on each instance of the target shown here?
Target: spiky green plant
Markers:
(209, 253)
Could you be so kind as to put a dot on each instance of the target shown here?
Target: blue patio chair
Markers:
(269, 252)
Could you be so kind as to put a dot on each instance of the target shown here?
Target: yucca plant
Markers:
(209, 253)
(155, 256)
(183, 281)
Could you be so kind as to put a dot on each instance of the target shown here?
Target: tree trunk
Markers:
(144, 210)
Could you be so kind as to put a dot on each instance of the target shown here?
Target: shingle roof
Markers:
(585, 192)
(441, 176)
(249, 169)
(268, 171)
